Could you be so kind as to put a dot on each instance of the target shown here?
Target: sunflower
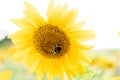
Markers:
(51, 46)
(104, 62)
(5, 75)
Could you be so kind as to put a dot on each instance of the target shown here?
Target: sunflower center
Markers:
(50, 41)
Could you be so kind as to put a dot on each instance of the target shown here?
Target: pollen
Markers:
(50, 41)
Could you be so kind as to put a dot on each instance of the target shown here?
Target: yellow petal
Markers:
(68, 18)
(24, 25)
(64, 9)
(21, 39)
(29, 7)
(33, 15)
(69, 66)
(30, 58)
(81, 46)
(79, 69)
(58, 13)
(50, 8)
(59, 68)
(79, 54)
(61, 18)
(34, 19)
(61, 71)
(40, 71)
(34, 65)
(77, 66)
(50, 72)
(81, 35)
(20, 54)
(75, 26)
(39, 74)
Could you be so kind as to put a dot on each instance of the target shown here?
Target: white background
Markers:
(104, 17)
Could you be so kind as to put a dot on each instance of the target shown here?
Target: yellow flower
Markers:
(54, 45)
(116, 78)
(103, 62)
(5, 75)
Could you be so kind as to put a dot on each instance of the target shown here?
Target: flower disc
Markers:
(50, 41)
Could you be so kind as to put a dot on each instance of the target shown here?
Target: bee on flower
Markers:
(53, 46)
